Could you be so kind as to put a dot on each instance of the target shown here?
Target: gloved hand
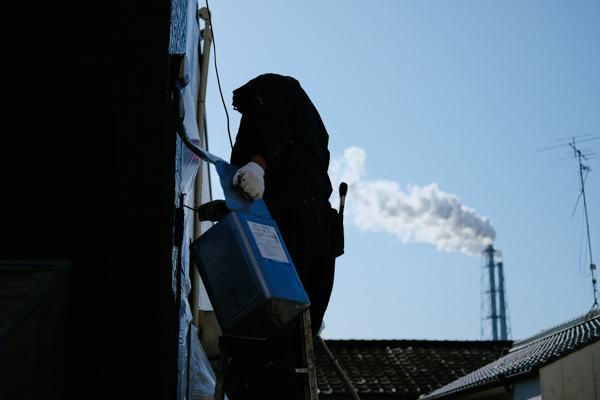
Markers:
(250, 180)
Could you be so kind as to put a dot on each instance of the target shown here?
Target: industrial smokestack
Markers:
(420, 214)
(503, 316)
(493, 299)
(492, 291)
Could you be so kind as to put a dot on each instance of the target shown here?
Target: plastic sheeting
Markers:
(202, 377)
(190, 161)
(185, 323)
(195, 377)
(189, 168)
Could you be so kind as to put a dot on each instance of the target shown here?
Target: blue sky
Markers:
(460, 94)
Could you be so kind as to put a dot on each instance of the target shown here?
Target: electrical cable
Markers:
(217, 72)
(582, 268)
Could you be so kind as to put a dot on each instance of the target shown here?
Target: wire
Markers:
(217, 72)
(582, 268)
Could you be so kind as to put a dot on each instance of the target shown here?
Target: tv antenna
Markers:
(586, 155)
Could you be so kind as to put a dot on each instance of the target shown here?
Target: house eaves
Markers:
(528, 355)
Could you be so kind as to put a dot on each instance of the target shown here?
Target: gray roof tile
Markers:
(412, 367)
(531, 353)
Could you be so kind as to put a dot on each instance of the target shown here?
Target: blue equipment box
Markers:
(249, 276)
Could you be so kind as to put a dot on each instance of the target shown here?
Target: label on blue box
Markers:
(268, 242)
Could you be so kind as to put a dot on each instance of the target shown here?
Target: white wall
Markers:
(574, 377)
(527, 389)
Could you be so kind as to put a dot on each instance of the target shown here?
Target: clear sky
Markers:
(443, 106)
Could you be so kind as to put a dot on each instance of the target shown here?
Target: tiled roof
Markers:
(413, 367)
(531, 353)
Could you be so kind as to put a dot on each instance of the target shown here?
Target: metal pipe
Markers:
(333, 361)
(205, 15)
(198, 200)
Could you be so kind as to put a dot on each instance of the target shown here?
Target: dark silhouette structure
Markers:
(91, 176)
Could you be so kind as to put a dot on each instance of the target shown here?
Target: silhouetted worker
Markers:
(281, 147)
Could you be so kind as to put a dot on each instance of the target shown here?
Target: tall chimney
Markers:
(492, 290)
(493, 304)
(503, 335)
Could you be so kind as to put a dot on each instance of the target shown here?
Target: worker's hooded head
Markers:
(267, 95)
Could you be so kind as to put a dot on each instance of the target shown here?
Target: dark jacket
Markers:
(281, 124)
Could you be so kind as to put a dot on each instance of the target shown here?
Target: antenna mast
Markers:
(579, 155)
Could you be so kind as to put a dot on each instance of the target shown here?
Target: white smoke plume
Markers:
(422, 214)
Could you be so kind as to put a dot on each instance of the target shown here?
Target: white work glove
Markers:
(250, 180)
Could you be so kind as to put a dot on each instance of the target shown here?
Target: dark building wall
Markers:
(90, 176)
